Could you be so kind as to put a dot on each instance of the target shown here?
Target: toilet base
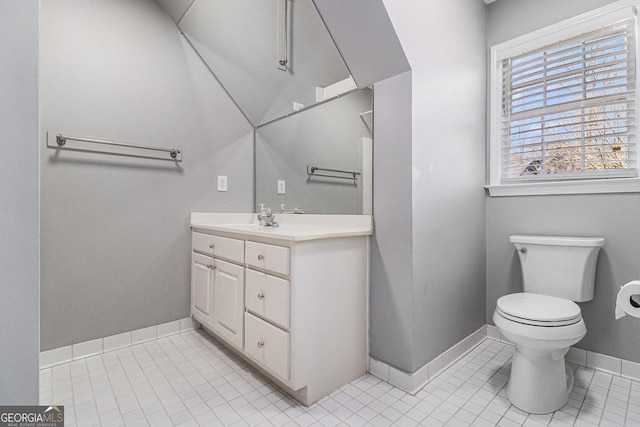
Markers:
(540, 381)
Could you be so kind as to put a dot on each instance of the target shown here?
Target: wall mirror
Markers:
(319, 160)
(273, 57)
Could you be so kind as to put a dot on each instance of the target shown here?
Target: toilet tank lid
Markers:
(558, 240)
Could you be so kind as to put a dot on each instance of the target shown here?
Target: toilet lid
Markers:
(539, 310)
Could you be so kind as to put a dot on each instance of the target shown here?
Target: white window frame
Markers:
(564, 30)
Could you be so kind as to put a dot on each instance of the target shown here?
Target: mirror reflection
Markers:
(319, 160)
(273, 57)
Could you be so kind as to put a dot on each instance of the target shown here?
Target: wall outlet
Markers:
(222, 183)
(281, 186)
(297, 106)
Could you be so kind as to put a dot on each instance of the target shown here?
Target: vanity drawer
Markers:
(267, 344)
(268, 257)
(219, 247)
(268, 297)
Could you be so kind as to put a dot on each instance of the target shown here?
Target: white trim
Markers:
(598, 361)
(566, 29)
(412, 383)
(85, 349)
(631, 370)
(590, 186)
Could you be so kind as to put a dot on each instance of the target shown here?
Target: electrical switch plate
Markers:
(281, 186)
(222, 183)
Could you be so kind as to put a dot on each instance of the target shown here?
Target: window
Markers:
(564, 107)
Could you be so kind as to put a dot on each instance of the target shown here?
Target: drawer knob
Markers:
(211, 246)
(260, 257)
(260, 295)
(260, 344)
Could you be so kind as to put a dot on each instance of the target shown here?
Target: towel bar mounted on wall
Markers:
(311, 171)
(60, 141)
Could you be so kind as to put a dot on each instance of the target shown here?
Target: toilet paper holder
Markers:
(628, 300)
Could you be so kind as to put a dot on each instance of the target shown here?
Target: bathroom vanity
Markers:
(291, 300)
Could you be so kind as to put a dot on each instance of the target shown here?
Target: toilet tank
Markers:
(563, 267)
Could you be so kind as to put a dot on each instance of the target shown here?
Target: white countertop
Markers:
(294, 227)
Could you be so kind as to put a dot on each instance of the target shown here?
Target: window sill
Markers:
(600, 186)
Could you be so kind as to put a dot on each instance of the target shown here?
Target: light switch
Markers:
(281, 186)
(222, 183)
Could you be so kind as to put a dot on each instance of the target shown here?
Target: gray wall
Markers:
(391, 245)
(612, 216)
(448, 155)
(327, 136)
(115, 230)
(19, 244)
(428, 258)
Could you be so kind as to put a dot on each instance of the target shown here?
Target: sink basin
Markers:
(292, 227)
(245, 227)
(284, 229)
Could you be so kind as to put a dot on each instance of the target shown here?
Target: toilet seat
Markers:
(538, 310)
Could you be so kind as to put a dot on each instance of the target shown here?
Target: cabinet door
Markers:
(228, 302)
(202, 288)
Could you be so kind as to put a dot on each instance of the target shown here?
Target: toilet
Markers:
(544, 320)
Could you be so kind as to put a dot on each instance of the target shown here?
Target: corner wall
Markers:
(441, 303)
(391, 264)
(612, 216)
(444, 41)
(115, 229)
(19, 244)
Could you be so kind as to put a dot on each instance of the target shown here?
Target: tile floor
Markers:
(188, 379)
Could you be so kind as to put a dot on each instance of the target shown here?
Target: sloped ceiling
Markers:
(175, 8)
(364, 35)
(361, 29)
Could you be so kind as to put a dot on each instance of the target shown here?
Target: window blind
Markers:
(569, 109)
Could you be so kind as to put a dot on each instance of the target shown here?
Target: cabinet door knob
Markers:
(210, 266)
(260, 344)
(211, 246)
(260, 257)
(260, 295)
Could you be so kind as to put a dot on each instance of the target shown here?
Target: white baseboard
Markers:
(84, 349)
(590, 359)
(412, 383)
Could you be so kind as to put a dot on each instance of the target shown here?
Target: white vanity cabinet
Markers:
(217, 285)
(302, 312)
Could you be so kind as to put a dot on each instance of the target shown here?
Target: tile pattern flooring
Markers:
(189, 379)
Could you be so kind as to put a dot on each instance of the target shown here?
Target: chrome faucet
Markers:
(283, 210)
(266, 217)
